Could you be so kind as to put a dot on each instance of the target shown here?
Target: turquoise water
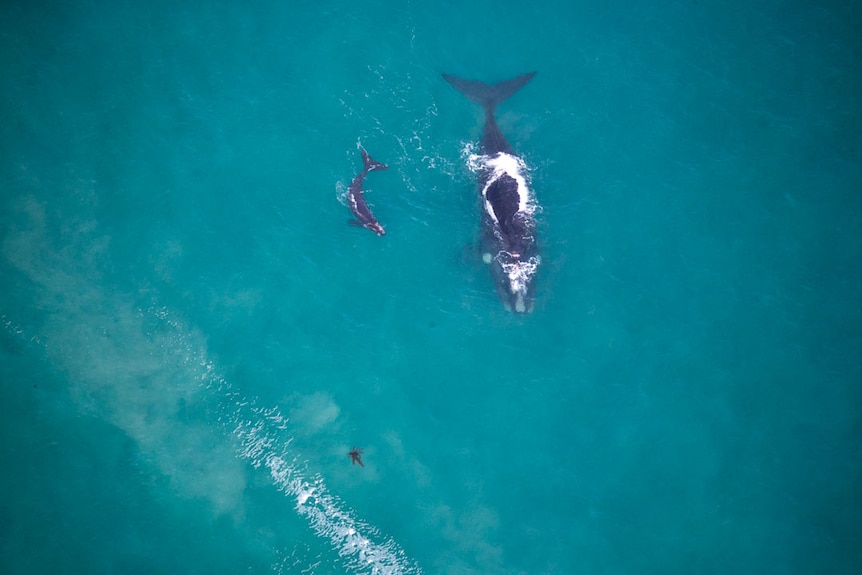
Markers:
(193, 338)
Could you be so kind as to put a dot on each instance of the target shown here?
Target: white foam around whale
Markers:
(501, 164)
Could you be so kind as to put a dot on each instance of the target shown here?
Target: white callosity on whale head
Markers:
(519, 272)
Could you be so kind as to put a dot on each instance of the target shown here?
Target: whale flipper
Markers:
(489, 96)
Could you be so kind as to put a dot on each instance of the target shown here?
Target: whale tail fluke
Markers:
(371, 164)
(489, 96)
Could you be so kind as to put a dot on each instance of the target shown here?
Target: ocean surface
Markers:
(193, 338)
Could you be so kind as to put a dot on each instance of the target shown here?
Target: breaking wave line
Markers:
(362, 548)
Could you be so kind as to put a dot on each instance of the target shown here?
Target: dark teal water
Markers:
(193, 338)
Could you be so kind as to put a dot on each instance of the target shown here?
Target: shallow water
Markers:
(193, 338)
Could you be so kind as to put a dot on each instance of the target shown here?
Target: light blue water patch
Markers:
(193, 337)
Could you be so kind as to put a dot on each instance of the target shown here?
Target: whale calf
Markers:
(356, 199)
(508, 236)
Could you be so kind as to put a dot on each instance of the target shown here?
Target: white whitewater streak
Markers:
(136, 368)
(363, 549)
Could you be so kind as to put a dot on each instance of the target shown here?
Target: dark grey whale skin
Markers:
(511, 239)
(356, 199)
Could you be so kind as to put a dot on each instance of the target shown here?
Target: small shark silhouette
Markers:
(356, 457)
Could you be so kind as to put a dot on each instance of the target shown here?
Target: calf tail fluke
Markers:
(489, 96)
(371, 164)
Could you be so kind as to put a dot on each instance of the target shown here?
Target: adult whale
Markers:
(508, 237)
